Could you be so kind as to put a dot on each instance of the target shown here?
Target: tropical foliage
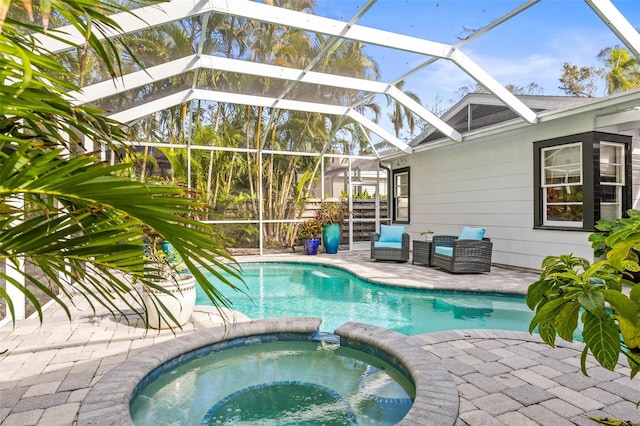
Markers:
(331, 212)
(579, 81)
(231, 182)
(602, 241)
(78, 221)
(623, 69)
(309, 229)
(571, 290)
(621, 72)
(402, 113)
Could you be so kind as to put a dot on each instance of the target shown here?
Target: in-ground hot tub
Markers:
(280, 383)
(276, 371)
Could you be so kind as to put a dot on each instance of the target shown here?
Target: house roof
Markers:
(364, 164)
(481, 110)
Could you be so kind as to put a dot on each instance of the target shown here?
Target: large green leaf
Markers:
(634, 294)
(630, 331)
(547, 331)
(583, 360)
(536, 292)
(546, 313)
(619, 252)
(597, 287)
(621, 304)
(592, 301)
(633, 358)
(600, 334)
(566, 320)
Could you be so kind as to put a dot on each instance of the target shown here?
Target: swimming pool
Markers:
(278, 289)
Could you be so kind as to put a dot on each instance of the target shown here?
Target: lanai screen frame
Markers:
(338, 30)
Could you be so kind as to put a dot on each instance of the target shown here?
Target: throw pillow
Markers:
(469, 233)
(391, 234)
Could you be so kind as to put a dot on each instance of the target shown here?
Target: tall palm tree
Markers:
(70, 215)
(290, 131)
(624, 70)
(401, 113)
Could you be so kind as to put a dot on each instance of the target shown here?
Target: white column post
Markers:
(350, 206)
(16, 296)
(16, 272)
(260, 202)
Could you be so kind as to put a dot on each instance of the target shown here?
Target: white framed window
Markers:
(612, 179)
(580, 179)
(563, 185)
(401, 195)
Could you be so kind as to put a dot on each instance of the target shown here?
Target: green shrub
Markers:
(572, 290)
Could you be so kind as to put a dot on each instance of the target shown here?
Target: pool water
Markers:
(337, 296)
(278, 383)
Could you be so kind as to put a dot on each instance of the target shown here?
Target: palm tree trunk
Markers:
(249, 166)
(145, 154)
(214, 202)
(211, 158)
(230, 168)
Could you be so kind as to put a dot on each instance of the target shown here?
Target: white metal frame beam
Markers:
(617, 23)
(178, 9)
(190, 63)
(133, 80)
(304, 21)
(464, 41)
(143, 110)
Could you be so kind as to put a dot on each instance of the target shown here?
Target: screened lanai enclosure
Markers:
(264, 109)
(251, 103)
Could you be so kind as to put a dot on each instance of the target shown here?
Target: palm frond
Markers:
(77, 212)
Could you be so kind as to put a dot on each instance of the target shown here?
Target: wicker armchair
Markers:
(387, 253)
(468, 256)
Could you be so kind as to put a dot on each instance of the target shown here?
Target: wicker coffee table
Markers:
(421, 252)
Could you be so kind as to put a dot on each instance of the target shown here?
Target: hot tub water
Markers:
(277, 383)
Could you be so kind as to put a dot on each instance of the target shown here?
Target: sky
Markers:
(530, 47)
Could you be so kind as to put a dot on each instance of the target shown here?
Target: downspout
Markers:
(261, 205)
(350, 204)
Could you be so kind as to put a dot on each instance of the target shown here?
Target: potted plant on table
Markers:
(428, 234)
(309, 235)
(170, 295)
(331, 216)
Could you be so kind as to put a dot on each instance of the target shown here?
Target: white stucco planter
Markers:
(180, 302)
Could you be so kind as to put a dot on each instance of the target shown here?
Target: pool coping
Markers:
(436, 401)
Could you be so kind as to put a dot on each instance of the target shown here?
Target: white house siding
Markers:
(489, 182)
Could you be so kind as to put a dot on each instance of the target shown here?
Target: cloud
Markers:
(541, 69)
(542, 66)
(442, 75)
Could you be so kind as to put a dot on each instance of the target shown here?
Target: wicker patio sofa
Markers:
(467, 256)
(391, 243)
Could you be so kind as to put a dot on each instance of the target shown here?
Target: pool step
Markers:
(324, 278)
